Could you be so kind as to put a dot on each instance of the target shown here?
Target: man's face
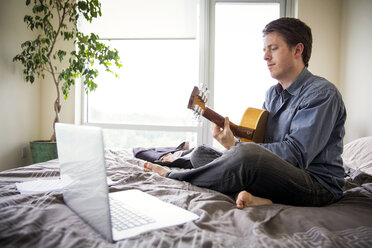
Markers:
(279, 56)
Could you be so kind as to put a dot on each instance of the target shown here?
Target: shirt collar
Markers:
(296, 86)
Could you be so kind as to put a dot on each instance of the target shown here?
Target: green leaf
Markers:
(82, 5)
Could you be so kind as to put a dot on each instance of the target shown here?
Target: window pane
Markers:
(137, 138)
(154, 86)
(241, 75)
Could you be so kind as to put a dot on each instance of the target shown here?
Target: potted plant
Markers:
(54, 20)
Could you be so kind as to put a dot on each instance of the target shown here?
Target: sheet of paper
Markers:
(46, 185)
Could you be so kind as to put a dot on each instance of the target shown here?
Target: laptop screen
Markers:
(82, 164)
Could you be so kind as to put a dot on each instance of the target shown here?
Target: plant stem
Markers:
(57, 33)
(57, 103)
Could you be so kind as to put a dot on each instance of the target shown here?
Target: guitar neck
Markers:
(219, 120)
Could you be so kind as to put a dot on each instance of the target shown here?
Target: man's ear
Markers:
(299, 48)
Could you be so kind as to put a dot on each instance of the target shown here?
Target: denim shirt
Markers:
(306, 128)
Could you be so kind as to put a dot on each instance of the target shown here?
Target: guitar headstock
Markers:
(198, 99)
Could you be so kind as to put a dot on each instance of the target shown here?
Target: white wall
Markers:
(323, 17)
(355, 68)
(342, 53)
(19, 101)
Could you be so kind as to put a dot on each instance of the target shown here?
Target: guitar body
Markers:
(252, 126)
(255, 119)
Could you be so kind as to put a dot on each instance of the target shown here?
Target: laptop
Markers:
(82, 165)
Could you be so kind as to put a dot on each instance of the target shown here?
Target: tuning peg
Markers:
(203, 97)
(196, 116)
(201, 111)
(198, 109)
(195, 108)
(205, 94)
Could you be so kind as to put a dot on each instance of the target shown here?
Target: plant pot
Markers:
(42, 151)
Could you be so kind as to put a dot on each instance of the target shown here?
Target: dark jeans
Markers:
(250, 167)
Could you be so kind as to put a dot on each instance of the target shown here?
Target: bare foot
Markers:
(245, 199)
(186, 146)
(150, 167)
(171, 157)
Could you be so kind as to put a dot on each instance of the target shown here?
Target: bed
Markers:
(43, 220)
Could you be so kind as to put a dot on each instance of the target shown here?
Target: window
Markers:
(239, 69)
(167, 47)
(240, 73)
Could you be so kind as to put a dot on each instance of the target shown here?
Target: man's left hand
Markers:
(224, 136)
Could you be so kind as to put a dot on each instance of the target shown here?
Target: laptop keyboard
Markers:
(123, 217)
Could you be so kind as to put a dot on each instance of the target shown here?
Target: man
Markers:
(300, 162)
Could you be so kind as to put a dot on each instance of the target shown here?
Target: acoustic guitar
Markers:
(252, 126)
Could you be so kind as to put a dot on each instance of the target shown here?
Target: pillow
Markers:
(358, 155)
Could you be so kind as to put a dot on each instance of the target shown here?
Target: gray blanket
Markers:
(43, 220)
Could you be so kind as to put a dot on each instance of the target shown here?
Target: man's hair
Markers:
(293, 32)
